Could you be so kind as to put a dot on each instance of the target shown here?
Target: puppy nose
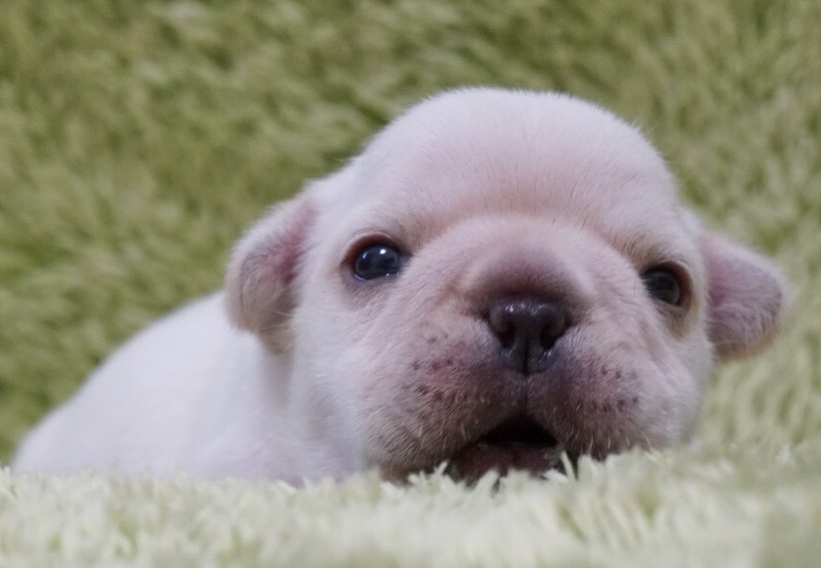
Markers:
(527, 328)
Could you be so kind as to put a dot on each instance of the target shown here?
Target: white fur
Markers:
(492, 193)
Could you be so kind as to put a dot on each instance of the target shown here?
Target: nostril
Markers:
(554, 324)
(526, 329)
(501, 320)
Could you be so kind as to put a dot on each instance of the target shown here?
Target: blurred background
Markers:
(138, 139)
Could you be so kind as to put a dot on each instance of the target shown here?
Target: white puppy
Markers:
(500, 277)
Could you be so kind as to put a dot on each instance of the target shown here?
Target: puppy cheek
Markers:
(610, 390)
(424, 399)
(672, 383)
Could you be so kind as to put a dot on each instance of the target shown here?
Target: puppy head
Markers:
(500, 277)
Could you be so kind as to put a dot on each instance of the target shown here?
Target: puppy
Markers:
(499, 278)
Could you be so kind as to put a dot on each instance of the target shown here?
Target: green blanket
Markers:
(137, 139)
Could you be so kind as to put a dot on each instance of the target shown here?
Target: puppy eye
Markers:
(663, 284)
(377, 261)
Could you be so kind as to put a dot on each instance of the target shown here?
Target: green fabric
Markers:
(137, 140)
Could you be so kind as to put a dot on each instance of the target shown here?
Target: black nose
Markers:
(527, 328)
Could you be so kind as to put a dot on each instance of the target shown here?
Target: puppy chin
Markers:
(477, 459)
(518, 444)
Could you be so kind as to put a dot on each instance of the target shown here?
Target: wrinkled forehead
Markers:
(486, 153)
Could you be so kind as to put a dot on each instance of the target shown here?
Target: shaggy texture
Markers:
(137, 139)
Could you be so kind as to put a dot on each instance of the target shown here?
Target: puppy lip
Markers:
(519, 431)
(517, 443)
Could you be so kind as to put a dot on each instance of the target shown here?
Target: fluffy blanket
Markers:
(137, 139)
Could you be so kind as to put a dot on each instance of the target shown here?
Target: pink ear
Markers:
(747, 298)
(258, 284)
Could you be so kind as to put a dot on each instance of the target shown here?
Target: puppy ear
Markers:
(747, 297)
(259, 291)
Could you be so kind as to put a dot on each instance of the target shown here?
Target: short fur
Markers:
(496, 198)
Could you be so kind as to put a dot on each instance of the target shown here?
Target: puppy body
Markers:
(190, 393)
(544, 292)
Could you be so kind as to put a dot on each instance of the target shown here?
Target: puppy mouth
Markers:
(518, 443)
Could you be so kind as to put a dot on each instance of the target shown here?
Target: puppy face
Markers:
(499, 278)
